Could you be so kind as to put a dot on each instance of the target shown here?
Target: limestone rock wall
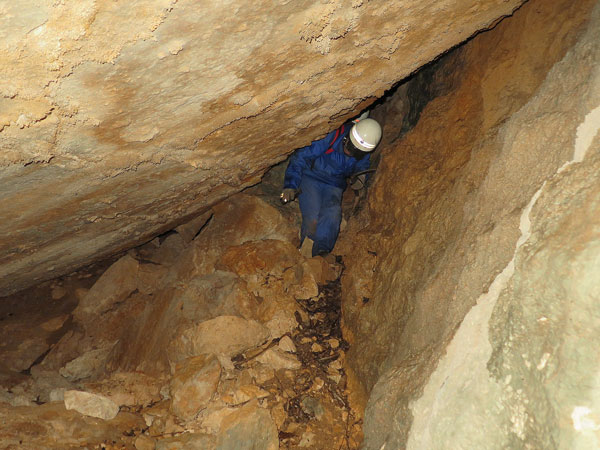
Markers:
(472, 302)
(120, 119)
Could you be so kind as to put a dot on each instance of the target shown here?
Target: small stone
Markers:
(335, 378)
(316, 348)
(149, 419)
(312, 407)
(335, 365)
(287, 345)
(333, 343)
(318, 384)
(278, 359)
(91, 404)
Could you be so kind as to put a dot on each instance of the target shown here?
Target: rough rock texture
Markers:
(92, 405)
(119, 119)
(129, 345)
(51, 426)
(449, 206)
(193, 384)
(248, 428)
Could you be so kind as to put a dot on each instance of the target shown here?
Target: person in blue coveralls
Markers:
(317, 176)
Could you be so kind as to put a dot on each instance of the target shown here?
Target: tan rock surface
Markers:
(114, 286)
(228, 335)
(52, 426)
(437, 240)
(119, 120)
(193, 384)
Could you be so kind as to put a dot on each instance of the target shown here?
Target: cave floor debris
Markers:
(312, 400)
(230, 338)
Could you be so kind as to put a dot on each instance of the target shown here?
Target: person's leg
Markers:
(310, 204)
(330, 217)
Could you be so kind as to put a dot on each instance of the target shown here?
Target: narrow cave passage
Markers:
(459, 308)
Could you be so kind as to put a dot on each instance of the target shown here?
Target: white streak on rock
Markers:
(580, 421)
(586, 131)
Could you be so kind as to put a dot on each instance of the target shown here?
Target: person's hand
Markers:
(358, 182)
(287, 195)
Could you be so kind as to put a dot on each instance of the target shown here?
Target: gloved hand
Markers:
(358, 182)
(288, 195)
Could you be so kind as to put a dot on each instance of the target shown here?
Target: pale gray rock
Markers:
(90, 404)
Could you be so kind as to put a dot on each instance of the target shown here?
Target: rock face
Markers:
(485, 218)
(119, 120)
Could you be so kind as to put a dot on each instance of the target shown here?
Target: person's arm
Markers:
(302, 159)
(360, 181)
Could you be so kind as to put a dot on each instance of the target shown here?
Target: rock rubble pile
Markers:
(219, 334)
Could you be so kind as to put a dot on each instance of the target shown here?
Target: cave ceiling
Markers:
(120, 119)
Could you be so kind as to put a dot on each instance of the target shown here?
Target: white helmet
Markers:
(366, 134)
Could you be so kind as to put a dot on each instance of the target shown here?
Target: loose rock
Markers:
(91, 404)
(228, 335)
(279, 359)
(193, 384)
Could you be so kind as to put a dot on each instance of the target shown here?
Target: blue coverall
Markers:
(320, 171)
